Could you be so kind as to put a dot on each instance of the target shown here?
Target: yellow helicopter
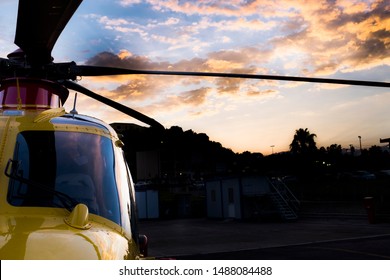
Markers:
(65, 188)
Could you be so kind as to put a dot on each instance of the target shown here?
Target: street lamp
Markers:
(360, 143)
(272, 146)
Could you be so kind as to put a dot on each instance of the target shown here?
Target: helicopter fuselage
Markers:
(66, 190)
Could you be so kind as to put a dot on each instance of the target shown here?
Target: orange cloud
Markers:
(340, 38)
(314, 39)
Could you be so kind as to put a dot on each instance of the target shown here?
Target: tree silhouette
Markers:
(303, 142)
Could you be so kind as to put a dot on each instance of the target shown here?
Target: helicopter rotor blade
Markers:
(39, 25)
(84, 70)
(124, 109)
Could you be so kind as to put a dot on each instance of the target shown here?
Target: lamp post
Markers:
(272, 146)
(360, 144)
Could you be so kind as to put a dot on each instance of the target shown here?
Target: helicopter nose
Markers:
(49, 238)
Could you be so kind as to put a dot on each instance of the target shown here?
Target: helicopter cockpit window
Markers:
(78, 165)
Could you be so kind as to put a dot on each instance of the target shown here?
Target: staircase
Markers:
(284, 200)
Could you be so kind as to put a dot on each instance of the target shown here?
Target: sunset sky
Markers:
(331, 39)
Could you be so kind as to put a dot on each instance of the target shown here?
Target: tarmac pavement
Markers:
(181, 238)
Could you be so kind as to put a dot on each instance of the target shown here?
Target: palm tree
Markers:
(303, 142)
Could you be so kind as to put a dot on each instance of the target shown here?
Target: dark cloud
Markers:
(131, 62)
(191, 98)
(372, 48)
(149, 86)
(195, 64)
(379, 11)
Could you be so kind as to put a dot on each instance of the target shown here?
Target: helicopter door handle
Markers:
(13, 167)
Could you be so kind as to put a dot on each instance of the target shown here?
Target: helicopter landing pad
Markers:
(308, 238)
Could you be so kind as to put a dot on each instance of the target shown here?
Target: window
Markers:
(79, 165)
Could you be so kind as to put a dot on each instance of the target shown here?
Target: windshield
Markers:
(80, 165)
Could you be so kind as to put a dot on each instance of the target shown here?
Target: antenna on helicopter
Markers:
(74, 111)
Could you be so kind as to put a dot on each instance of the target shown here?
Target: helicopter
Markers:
(66, 189)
